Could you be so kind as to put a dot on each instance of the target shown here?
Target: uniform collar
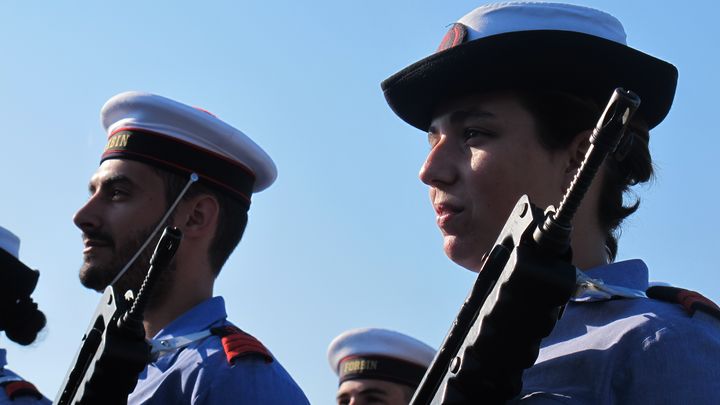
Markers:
(200, 317)
(629, 274)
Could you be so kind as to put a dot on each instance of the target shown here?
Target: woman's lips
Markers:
(447, 215)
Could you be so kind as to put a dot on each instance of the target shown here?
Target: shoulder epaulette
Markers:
(691, 301)
(20, 388)
(237, 343)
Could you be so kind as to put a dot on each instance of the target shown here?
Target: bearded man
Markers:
(155, 145)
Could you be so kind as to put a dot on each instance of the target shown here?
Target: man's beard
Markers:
(99, 275)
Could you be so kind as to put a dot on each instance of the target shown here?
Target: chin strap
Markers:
(192, 179)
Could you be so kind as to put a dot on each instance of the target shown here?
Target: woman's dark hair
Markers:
(560, 117)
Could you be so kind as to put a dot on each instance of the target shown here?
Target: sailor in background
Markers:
(20, 318)
(508, 102)
(155, 146)
(378, 366)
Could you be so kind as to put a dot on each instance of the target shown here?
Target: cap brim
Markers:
(568, 61)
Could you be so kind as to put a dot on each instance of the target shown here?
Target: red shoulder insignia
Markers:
(691, 301)
(17, 389)
(237, 343)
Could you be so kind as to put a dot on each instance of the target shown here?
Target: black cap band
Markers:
(178, 156)
(381, 368)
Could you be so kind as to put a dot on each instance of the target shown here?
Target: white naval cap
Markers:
(501, 18)
(165, 133)
(9, 242)
(373, 353)
(532, 45)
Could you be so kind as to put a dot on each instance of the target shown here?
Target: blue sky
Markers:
(346, 237)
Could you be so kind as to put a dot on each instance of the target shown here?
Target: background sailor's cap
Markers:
(9, 242)
(171, 135)
(372, 353)
(532, 45)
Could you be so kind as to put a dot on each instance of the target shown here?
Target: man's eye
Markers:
(117, 194)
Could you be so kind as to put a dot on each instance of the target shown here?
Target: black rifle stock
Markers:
(521, 289)
(114, 350)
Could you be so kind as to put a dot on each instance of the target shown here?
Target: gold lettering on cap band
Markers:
(381, 368)
(119, 140)
(359, 366)
(178, 156)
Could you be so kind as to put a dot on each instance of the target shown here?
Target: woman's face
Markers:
(484, 155)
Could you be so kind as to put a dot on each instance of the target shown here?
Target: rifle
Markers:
(114, 350)
(521, 289)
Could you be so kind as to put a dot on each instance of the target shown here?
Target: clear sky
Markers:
(346, 236)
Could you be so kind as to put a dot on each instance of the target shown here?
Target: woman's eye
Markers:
(471, 133)
(433, 139)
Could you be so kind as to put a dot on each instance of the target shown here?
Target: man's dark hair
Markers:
(232, 217)
(559, 117)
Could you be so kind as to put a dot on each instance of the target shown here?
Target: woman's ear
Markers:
(576, 154)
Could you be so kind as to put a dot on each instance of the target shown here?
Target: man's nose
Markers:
(87, 216)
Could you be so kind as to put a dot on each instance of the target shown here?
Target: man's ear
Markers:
(200, 215)
(576, 154)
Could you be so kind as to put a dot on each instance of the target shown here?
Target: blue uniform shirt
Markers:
(201, 374)
(7, 376)
(627, 351)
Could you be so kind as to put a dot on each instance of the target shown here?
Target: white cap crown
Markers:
(190, 126)
(501, 18)
(378, 342)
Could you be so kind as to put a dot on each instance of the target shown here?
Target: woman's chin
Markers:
(466, 255)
